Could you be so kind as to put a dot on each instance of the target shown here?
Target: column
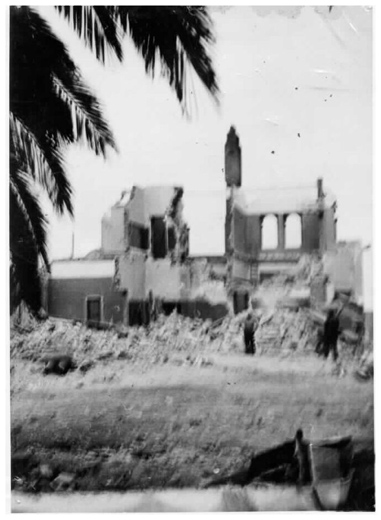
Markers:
(281, 238)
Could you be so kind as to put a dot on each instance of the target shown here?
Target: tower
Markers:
(232, 159)
(233, 180)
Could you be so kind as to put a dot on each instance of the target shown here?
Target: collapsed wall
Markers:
(166, 340)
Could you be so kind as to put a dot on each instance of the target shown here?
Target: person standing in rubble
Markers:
(360, 331)
(249, 327)
(331, 334)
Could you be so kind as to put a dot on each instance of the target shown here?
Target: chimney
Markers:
(232, 159)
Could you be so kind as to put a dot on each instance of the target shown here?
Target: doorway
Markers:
(93, 310)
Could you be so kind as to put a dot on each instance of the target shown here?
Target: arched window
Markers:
(293, 231)
(270, 232)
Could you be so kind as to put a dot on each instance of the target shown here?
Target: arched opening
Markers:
(293, 231)
(270, 232)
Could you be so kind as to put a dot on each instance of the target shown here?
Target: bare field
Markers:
(123, 426)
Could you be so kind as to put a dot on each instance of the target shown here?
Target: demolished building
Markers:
(269, 232)
(154, 270)
(145, 253)
(252, 215)
(144, 267)
(149, 222)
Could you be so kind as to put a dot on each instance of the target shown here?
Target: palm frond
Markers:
(27, 240)
(86, 114)
(43, 162)
(178, 37)
(96, 26)
(50, 107)
(26, 211)
(25, 285)
(39, 62)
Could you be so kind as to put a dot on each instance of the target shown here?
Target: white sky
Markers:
(282, 71)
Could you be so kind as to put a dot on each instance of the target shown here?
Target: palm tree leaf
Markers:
(25, 208)
(40, 62)
(25, 284)
(96, 26)
(27, 239)
(50, 105)
(86, 113)
(43, 161)
(177, 36)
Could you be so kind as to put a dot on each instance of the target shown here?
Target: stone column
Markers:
(281, 237)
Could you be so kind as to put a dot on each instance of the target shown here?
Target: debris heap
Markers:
(160, 342)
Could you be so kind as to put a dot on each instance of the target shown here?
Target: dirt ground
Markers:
(129, 426)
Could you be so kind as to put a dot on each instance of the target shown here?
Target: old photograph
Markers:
(190, 259)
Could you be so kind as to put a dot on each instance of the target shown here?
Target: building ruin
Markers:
(251, 215)
(145, 244)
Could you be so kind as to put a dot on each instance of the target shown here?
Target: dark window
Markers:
(158, 237)
(93, 310)
(138, 235)
(138, 313)
(171, 239)
(240, 301)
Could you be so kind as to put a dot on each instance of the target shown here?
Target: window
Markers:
(270, 232)
(138, 236)
(240, 301)
(158, 237)
(293, 231)
(171, 238)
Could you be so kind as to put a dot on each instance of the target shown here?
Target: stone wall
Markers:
(67, 298)
(112, 233)
(130, 275)
(310, 232)
(343, 265)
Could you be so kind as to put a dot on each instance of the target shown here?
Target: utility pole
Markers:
(72, 246)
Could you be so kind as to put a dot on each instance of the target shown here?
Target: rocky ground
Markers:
(172, 406)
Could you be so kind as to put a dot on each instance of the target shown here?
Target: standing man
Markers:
(360, 330)
(249, 328)
(331, 334)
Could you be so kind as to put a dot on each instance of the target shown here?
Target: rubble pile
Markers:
(160, 342)
(308, 267)
(287, 330)
(84, 344)
(289, 289)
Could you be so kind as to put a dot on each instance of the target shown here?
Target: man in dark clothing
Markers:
(249, 329)
(331, 334)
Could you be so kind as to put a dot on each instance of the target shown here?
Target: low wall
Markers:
(66, 298)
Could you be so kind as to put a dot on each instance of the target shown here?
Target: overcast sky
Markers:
(282, 72)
